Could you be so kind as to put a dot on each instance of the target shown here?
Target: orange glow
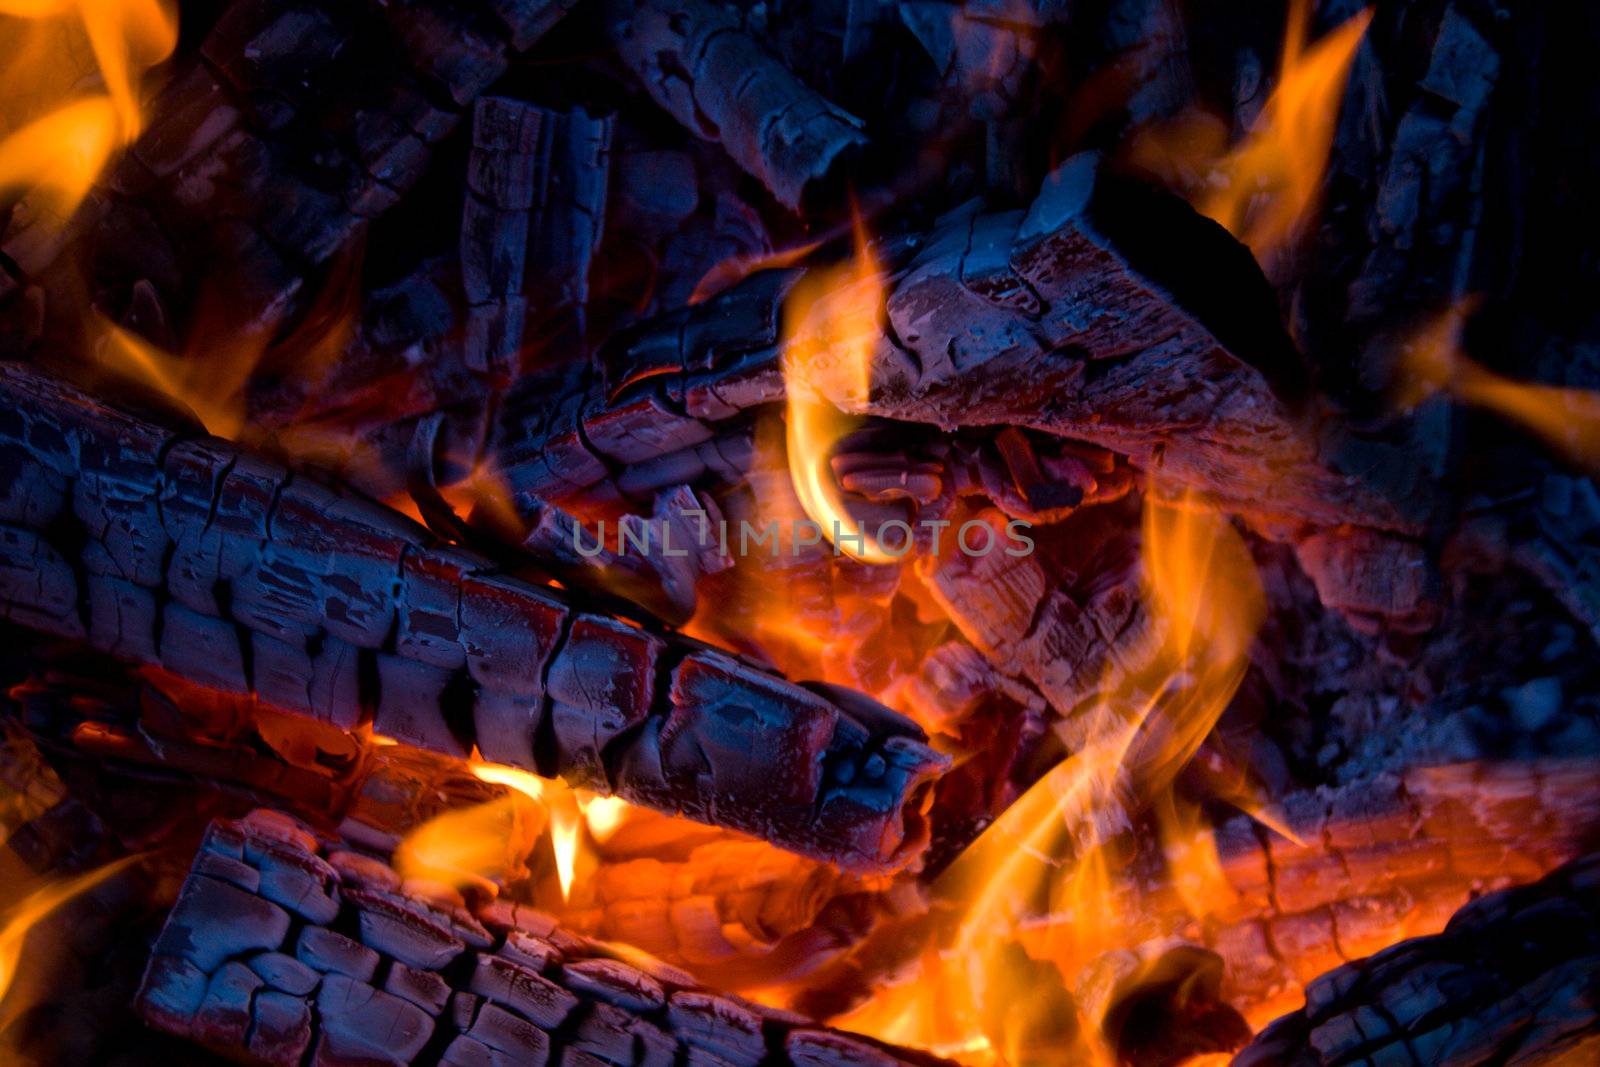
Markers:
(735, 269)
(27, 913)
(1568, 419)
(212, 387)
(831, 321)
(477, 846)
(60, 153)
(1062, 847)
(489, 844)
(605, 816)
(1264, 188)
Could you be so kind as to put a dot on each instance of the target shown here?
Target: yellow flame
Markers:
(491, 842)
(605, 816)
(1270, 182)
(1051, 874)
(212, 388)
(61, 153)
(831, 322)
(528, 784)
(28, 912)
(1567, 418)
(565, 821)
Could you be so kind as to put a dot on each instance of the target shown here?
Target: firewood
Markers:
(1511, 979)
(531, 222)
(280, 947)
(301, 124)
(166, 546)
(1068, 318)
(699, 65)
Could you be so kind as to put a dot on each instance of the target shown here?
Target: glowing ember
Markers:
(476, 846)
(831, 321)
(61, 153)
(1005, 983)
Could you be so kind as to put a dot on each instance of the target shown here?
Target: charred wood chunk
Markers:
(699, 65)
(394, 978)
(532, 221)
(1086, 316)
(1512, 978)
(293, 126)
(252, 580)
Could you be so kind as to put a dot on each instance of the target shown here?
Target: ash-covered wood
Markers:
(532, 219)
(279, 949)
(292, 129)
(166, 546)
(696, 61)
(1514, 978)
(1103, 313)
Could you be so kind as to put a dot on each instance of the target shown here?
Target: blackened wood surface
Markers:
(171, 547)
(276, 950)
(1103, 313)
(1513, 979)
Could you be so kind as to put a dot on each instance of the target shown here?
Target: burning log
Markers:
(1511, 979)
(1249, 915)
(166, 546)
(698, 64)
(294, 127)
(734, 911)
(1068, 319)
(278, 947)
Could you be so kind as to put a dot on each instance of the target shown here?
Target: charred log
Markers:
(1069, 318)
(293, 128)
(165, 546)
(1513, 978)
(699, 65)
(278, 948)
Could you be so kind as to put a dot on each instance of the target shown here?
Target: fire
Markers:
(1568, 419)
(476, 846)
(831, 321)
(61, 153)
(212, 388)
(489, 844)
(21, 918)
(1265, 187)
(1043, 890)
(212, 375)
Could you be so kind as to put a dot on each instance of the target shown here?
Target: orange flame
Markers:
(1567, 418)
(1057, 848)
(212, 388)
(831, 321)
(211, 377)
(28, 912)
(1263, 189)
(60, 154)
(477, 846)
(490, 843)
